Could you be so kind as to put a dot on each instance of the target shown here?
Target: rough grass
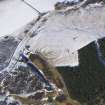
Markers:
(86, 83)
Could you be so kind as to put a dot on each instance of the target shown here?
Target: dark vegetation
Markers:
(86, 83)
(102, 46)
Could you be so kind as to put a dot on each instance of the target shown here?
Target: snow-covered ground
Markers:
(62, 35)
(14, 13)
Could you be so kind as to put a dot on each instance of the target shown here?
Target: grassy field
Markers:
(86, 83)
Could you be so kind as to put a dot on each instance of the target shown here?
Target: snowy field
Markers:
(14, 14)
(61, 36)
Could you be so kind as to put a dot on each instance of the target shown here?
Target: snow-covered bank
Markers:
(7, 48)
(58, 35)
(64, 33)
(14, 14)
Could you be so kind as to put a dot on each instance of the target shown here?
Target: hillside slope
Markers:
(72, 37)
